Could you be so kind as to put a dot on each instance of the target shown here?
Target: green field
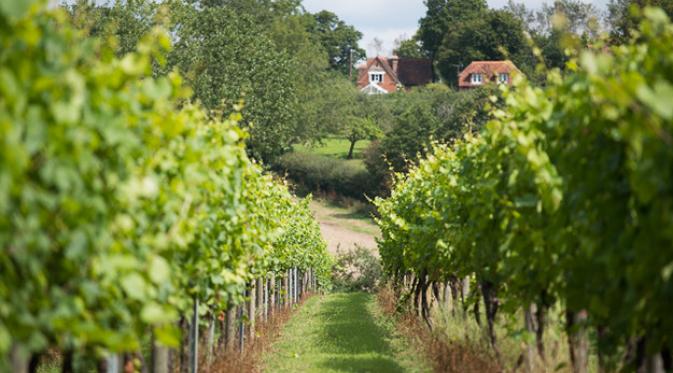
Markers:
(337, 148)
(343, 332)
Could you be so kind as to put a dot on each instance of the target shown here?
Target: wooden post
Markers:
(18, 359)
(259, 296)
(241, 327)
(194, 339)
(230, 328)
(183, 354)
(291, 286)
(252, 310)
(265, 310)
(159, 359)
(210, 339)
(273, 294)
(293, 272)
(296, 285)
(286, 288)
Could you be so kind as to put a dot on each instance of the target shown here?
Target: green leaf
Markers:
(134, 286)
(15, 8)
(658, 99)
(159, 270)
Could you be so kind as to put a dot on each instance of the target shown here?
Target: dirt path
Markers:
(344, 228)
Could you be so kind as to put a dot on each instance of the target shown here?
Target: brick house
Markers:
(479, 73)
(382, 75)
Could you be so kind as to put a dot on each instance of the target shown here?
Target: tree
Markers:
(227, 57)
(360, 128)
(127, 21)
(496, 35)
(377, 46)
(339, 40)
(408, 47)
(624, 15)
(443, 15)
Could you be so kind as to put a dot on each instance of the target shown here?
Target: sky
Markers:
(389, 19)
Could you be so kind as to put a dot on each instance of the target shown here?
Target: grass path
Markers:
(342, 332)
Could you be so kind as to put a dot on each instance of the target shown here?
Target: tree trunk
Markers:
(530, 328)
(425, 309)
(541, 321)
(477, 313)
(491, 304)
(667, 359)
(67, 366)
(577, 340)
(351, 149)
(34, 362)
(465, 292)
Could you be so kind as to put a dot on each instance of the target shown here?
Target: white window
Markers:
(376, 77)
(503, 77)
(476, 79)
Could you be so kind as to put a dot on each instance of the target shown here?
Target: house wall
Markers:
(388, 81)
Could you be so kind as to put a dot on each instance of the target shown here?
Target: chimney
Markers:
(395, 62)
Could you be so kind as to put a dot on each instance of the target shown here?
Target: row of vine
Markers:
(120, 201)
(565, 199)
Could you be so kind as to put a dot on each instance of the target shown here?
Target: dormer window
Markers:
(376, 78)
(503, 78)
(476, 79)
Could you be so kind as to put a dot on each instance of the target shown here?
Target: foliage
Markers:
(565, 197)
(624, 16)
(327, 174)
(124, 22)
(225, 57)
(563, 25)
(339, 40)
(409, 48)
(271, 54)
(444, 15)
(357, 270)
(119, 202)
(430, 114)
(493, 35)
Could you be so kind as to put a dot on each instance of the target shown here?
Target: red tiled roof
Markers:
(413, 72)
(390, 80)
(408, 72)
(489, 68)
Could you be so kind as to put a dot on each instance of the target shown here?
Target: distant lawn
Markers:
(336, 148)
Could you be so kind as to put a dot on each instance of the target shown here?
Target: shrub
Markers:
(325, 174)
(357, 270)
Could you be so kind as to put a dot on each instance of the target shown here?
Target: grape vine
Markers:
(121, 202)
(564, 199)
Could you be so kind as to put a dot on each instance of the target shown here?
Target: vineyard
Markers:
(138, 233)
(127, 212)
(562, 205)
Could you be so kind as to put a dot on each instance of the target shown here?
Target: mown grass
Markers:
(343, 332)
(336, 148)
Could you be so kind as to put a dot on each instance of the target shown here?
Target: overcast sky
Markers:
(388, 19)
